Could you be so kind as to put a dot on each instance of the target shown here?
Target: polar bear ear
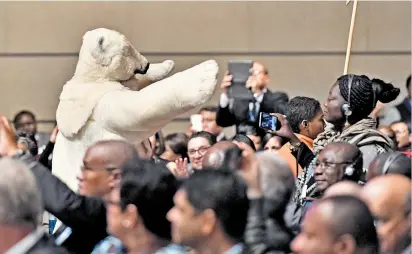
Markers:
(103, 47)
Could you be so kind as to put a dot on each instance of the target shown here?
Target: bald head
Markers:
(387, 198)
(216, 155)
(376, 193)
(390, 163)
(343, 188)
(345, 151)
(113, 153)
(349, 215)
(102, 165)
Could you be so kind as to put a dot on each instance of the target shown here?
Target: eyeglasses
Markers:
(201, 150)
(255, 72)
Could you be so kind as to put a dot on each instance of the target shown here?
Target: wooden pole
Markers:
(350, 38)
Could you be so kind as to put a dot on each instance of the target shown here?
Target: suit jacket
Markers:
(237, 112)
(86, 216)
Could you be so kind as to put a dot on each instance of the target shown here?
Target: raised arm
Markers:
(160, 102)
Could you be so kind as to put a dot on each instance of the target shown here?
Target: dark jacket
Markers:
(237, 112)
(266, 234)
(86, 216)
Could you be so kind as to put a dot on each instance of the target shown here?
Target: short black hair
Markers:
(150, 187)
(209, 109)
(400, 163)
(301, 108)
(241, 138)
(351, 216)
(408, 82)
(20, 114)
(178, 143)
(159, 150)
(223, 192)
(206, 135)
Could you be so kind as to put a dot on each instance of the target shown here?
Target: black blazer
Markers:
(237, 112)
(86, 216)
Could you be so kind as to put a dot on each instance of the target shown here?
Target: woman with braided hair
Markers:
(346, 110)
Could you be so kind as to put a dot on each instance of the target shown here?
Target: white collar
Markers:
(220, 136)
(259, 96)
(25, 244)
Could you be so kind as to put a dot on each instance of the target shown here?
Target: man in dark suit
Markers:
(246, 111)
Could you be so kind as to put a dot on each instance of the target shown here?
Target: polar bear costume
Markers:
(109, 97)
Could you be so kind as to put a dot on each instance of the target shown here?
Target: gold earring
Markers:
(347, 124)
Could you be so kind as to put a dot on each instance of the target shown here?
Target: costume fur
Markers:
(109, 97)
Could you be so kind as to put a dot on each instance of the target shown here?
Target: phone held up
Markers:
(268, 122)
(196, 122)
(240, 71)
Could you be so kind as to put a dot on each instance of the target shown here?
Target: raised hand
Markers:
(285, 130)
(8, 142)
(181, 169)
(53, 135)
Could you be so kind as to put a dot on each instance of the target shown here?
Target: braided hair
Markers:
(364, 94)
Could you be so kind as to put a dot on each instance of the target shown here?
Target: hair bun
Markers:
(385, 92)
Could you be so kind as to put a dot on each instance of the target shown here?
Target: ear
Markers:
(103, 46)
(114, 178)
(345, 245)
(131, 216)
(305, 123)
(208, 222)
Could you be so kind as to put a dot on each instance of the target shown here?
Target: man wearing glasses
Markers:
(244, 111)
(197, 147)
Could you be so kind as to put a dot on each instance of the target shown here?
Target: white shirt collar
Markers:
(259, 96)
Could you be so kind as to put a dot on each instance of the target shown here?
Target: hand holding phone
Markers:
(269, 122)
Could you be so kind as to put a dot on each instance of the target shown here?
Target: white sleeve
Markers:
(224, 100)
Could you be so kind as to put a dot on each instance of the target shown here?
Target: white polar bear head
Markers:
(107, 55)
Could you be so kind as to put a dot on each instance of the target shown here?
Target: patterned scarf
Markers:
(361, 133)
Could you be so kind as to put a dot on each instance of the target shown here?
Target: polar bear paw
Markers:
(159, 71)
(206, 71)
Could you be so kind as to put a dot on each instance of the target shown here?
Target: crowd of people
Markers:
(334, 178)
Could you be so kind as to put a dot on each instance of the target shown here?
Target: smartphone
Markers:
(268, 122)
(196, 121)
(240, 71)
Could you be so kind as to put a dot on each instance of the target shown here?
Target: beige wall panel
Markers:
(3, 28)
(151, 26)
(324, 26)
(208, 26)
(58, 26)
(388, 25)
(33, 83)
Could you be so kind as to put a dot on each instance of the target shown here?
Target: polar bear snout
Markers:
(142, 71)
